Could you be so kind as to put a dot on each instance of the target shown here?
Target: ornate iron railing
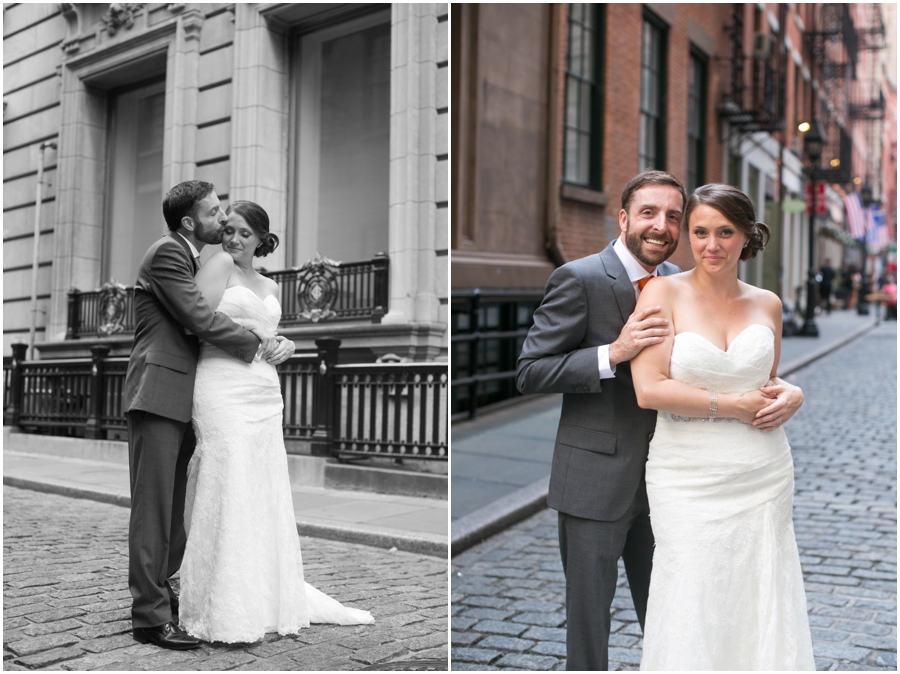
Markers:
(324, 289)
(396, 410)
(105, 311)
(320, 290)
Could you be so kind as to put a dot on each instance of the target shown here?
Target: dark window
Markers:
(653, 92)
(696, 168)
(583, 117)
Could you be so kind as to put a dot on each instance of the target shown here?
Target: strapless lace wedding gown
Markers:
(726, 592)
(242, 574)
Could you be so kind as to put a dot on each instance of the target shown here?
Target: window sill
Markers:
(583, 194)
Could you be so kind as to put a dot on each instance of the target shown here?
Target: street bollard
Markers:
(93, 428)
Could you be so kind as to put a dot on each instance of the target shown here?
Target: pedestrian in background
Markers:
(827, 274)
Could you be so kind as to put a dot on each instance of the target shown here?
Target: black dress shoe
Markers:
(169, 635)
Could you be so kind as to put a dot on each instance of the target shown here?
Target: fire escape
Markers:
(844, 55)
(754, 96)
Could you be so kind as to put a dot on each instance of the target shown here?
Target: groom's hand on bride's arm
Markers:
(284, 350)
(786, 400)
(641, 330)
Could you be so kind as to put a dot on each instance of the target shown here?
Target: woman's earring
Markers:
(746, 244)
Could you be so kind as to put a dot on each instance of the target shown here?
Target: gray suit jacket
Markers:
(603, 436)
(163, 363)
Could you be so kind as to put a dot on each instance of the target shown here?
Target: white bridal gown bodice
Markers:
(726, 590)
(242, 574)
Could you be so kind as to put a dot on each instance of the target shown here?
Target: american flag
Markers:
(877, 235)
(856, 216)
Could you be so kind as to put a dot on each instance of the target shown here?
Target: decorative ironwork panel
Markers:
(323, 290)
(112, 299)
(395, 410)
(106, 311)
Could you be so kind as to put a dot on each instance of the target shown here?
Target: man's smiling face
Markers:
(652, 224)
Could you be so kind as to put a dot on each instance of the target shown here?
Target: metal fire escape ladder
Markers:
(760, 107)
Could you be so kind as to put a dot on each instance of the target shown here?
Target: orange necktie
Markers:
(644, 281)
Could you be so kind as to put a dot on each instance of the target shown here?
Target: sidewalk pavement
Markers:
(501, 461)
(387, 521)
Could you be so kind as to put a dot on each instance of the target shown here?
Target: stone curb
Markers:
(515, 507)
(422, 544)
(803, 361)
(498, 515)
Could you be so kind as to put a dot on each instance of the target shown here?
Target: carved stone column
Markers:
(413, 166)
(182, 81)
(259, 121)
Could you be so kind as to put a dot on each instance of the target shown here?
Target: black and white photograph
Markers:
(673, 317)
(225, 335)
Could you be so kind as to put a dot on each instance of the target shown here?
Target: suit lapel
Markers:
(187, 250)
(619, 281)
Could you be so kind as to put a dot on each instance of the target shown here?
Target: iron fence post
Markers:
(13, 406)
(323, 399)
(93, 428)
(73, 307)
(473, 352)
(380, 286)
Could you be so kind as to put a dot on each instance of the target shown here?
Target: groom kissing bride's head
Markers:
(193, 207)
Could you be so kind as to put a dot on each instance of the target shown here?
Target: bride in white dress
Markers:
(726, 591)
(242, 574)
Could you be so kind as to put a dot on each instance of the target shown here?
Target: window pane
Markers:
(588, 60)
(584, 157)
(571, 172)
(585, 119)
(355, 144)
(571, 102)
(576, 48)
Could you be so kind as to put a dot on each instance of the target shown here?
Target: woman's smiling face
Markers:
(239, 239)
(715, 241)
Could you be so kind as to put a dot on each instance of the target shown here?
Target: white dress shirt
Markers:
(193, 248)
(635, 273)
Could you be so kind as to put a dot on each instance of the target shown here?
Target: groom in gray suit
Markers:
(584, 335)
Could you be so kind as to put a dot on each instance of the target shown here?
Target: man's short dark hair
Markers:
(651, 177)
(182, 200)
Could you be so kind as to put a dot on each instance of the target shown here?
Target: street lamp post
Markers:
(862, 304)
(812, 148)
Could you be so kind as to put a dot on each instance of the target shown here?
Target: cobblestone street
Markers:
(66, 603)
(508, 592)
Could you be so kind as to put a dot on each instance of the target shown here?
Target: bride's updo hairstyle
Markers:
(737, 209)
(258, 219)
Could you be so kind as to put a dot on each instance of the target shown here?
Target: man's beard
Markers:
(652, 258)
(208, 234)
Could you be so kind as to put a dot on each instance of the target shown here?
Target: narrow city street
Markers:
(508, 592)
(66, 603)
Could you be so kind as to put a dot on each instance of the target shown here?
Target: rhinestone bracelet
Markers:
(678, 417)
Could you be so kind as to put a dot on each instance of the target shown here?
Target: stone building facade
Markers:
(333, 117)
